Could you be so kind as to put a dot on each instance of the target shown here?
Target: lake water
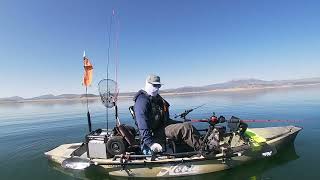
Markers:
(28, 130)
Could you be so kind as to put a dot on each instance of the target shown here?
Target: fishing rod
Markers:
(110, 95)
(186, 112)
(88, 113)
(245, 120)
(108, 61)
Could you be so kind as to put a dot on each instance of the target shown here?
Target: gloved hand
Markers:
(155, 147)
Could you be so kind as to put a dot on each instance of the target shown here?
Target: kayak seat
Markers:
(128, 133)
(131, 110)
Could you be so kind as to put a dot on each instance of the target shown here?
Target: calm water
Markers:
(28, 130)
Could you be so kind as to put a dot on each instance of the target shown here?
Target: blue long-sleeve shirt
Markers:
(142, 109)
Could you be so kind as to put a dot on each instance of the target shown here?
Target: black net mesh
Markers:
(108, 92)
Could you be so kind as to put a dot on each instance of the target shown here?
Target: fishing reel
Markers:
(211, 140)
(186, 112)
(214, 120)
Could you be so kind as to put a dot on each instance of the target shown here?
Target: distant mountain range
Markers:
(243, 84)
(47, 97)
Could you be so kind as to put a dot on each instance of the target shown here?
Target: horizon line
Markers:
(232, 80)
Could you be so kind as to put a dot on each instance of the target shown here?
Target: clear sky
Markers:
(187, 43)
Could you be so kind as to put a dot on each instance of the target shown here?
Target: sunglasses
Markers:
(156, 85)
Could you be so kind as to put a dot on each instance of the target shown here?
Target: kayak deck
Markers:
(274, 132)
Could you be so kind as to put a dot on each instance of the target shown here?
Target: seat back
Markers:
(131, 109)
(129, 134)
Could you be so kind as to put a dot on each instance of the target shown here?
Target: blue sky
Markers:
(187, 43)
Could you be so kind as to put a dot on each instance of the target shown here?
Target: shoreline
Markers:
(228, 90)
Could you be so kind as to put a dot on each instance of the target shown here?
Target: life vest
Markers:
(159, 110)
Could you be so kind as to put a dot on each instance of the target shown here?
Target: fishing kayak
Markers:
(263, 143)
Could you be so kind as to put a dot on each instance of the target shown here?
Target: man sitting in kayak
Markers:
(154, 124)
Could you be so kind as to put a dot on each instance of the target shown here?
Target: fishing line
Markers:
(117, 27)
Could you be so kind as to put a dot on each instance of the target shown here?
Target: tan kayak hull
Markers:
(277, 137)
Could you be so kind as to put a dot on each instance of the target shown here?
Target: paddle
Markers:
(78, 163)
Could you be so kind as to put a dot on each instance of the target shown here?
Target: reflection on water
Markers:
(256, 170)
(27, 130)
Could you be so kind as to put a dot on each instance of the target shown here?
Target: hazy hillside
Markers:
(243, 84)
(11, 99)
